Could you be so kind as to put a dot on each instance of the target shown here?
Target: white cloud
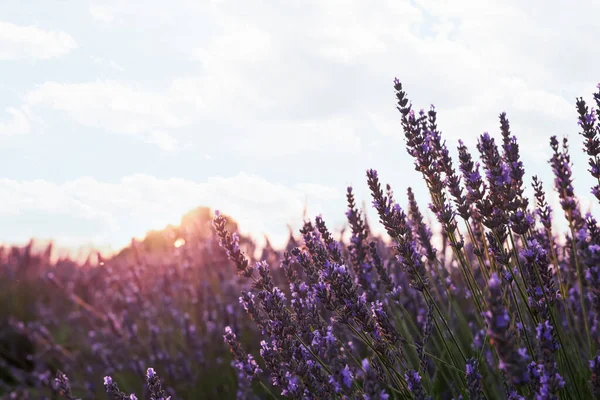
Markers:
(319, 191)
(163, 140)
(113, 106)
(218, 96)
(385, 126)
(145, 11)
(109, 63)
(124, 108)
(29, 42)
(332, 135)
(242, 42)
(16, 124)
(287, 86)
(101, 13)
(352, 31)
(127, 208)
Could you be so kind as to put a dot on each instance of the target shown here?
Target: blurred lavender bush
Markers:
(503, 306)
(163, 302)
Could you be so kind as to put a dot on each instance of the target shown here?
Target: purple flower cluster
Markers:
(512, 361)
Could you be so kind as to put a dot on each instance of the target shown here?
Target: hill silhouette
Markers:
(195, 226)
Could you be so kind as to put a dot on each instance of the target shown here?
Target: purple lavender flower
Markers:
(250, 368)
(590, 254)
(427, 328)
(392, 289)
(384, 326)
(231, 245)
(493, 208)
(589, 130)
(474, 184)
(540, 284)
(306, 309)
(247, 300)
(372, 389)
(512, 394)
(351, 305)
(155, 386)
(431, 158)
(63, 386)
(421, 231)
(544, 211)
(333, 247)
(550, 379)
(327, 347)
(413, 379)
(274, 363)
(402, 100)
(358, 248)
(512, 361)
(594, 365)
(563, 181)
(444, 164)
(394, 220)
(516, 202)
(113, 390)
(474, 380)
(534, 376)
(265, 282)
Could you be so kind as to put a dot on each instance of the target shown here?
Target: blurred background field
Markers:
(162, 302)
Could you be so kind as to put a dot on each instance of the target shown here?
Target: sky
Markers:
(118, 116)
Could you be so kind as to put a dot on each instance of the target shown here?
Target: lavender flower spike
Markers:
(413, 380)
(550, 380)
(588, 122)
(243, 362)
(474, 380)
(230, 242)
(113, 390)
(155, 386)
(594, 365)
(63, 385)
(512, 361)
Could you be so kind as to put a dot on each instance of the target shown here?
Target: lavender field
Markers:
(502, 305)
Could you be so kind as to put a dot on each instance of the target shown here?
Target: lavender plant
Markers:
(502, 305)
(508, 280)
